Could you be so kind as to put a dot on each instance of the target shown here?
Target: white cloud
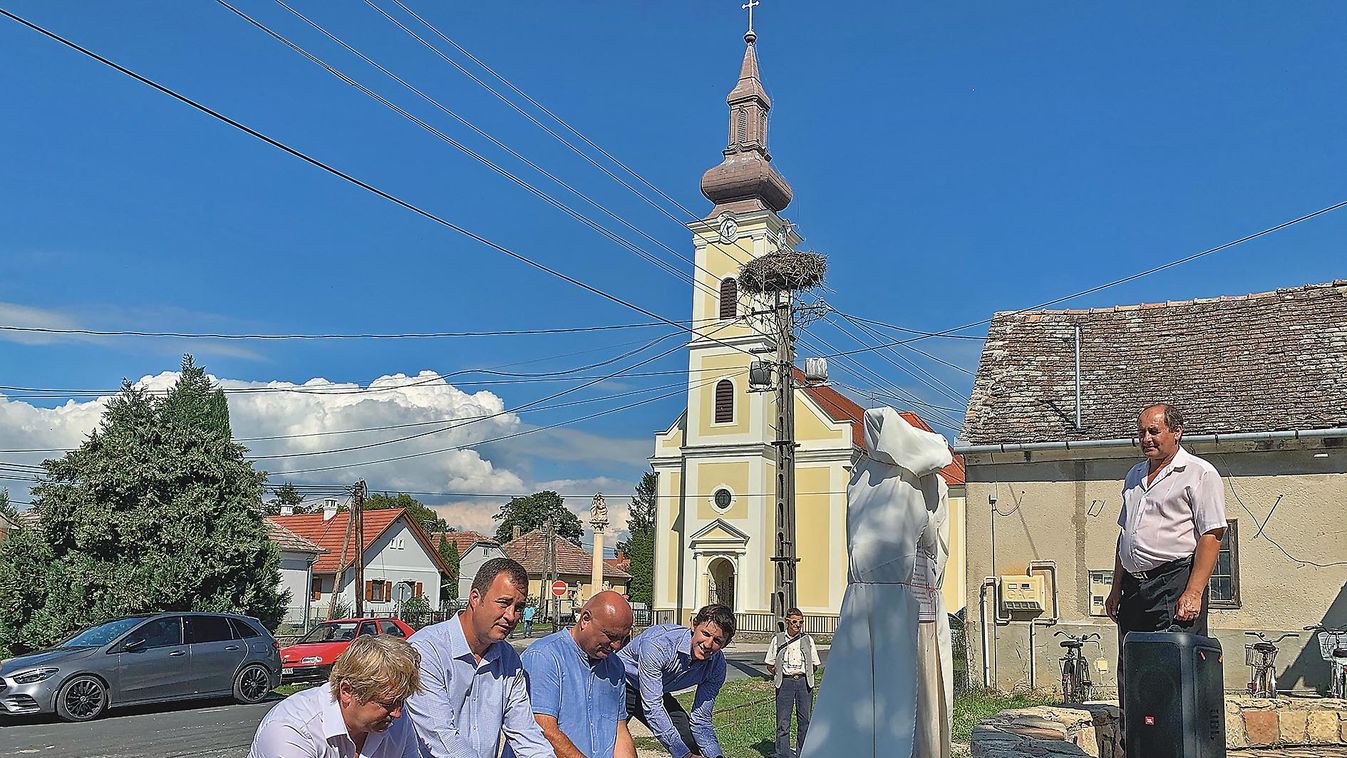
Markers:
(13, 314)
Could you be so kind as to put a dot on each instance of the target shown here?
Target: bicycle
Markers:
(1260, 657)
(1333, 648)
(1076, 684)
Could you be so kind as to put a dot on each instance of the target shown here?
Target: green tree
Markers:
(449, 552)
(640, 545)
(416, 510)
(286, 494)
(7, 508)
(529, 513)
(157, 510)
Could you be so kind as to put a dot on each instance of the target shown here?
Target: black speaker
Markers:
(1175, 696)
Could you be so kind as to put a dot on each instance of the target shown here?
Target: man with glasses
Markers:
(577, 683)
(791, 658)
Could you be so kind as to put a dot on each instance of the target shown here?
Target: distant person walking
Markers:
(359, 712)
(1172, 520)
(529, 612)
(791, 658)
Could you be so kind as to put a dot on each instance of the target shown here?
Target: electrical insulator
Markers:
(816, 369)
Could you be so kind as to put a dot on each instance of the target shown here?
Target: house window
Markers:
(316, 588)
(1101, 583)
(1224, 583)
(378, 590)
(729, 298)
(722, 498)
(724, 402)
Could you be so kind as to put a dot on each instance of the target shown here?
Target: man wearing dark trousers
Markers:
(790, 660)
(1172, 520)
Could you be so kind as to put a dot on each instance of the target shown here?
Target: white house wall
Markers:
(471, 561)
(295, 579)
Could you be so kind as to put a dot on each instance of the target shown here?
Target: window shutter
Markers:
(729, 298)
(369, 589)
(388, 591)
(724, 401)
(418, 589)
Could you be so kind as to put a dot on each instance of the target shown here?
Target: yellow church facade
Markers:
(715, 464)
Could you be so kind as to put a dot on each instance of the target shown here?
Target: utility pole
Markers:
(358, 515)
(784, 559)
(549, 567)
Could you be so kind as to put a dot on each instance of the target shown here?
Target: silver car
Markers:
(144, 659)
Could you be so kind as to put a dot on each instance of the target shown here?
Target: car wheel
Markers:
(252, 684)
(83, 698)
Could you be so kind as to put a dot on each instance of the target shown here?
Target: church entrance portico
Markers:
(720, 582)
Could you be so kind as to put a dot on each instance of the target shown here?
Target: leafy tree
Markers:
(157, 510)
(529, 513)
(416, 510)
(640, 545)
(449, 552)
(7, 509)
(286, 494)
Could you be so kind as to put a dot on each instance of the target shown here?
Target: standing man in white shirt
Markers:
(359, 712)
(1173, 519)
(791, 658)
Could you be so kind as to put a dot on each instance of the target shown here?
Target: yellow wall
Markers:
(712, 367)
(954, 590)
(673, 542)
(812, 536)
(709, 476)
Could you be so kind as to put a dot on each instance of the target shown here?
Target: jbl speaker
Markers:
(1175, 696)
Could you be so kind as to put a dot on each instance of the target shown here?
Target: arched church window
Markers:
(724, 402)
(729, 297)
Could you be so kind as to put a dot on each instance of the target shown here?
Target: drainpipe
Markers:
(989, 581)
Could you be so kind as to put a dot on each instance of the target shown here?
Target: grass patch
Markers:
(745, 716)
(286, 690)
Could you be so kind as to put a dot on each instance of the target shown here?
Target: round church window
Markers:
(722, 498)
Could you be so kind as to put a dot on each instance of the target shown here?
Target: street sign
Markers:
(559, 588)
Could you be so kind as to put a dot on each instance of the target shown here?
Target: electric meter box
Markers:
(1024, 593)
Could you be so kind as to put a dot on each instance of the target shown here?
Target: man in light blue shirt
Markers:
(473, 686)
(577, 684)
(667, 658)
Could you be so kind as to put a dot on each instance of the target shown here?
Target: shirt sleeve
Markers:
(1209, 502)
(770, 658)
(543, 674)
(277, 739)
(813, 652)
(522, 732)
(433, 714)
(650, 676)
(702, 704)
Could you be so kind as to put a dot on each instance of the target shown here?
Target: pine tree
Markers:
(157, 511)
(286, 495)
(449, 552)
(640, 545)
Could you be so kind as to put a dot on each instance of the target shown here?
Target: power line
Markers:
(359, 183)
(333, 336)
(930, 381)
(1123, 280)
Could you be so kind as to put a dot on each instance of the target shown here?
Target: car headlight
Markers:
(33, 675)
(312, 659)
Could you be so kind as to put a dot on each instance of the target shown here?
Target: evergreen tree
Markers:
(7, 508)
(286, 494)
(529, 513)
(640, 545)
(449, 552)
(158, 510)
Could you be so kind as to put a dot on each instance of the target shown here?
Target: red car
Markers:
(314, 653)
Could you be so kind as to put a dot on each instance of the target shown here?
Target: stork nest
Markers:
(787, 271)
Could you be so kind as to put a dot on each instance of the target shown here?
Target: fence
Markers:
(758, 622)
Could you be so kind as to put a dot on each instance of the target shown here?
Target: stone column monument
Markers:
(598, 520)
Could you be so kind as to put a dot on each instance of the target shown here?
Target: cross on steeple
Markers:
(750, 35)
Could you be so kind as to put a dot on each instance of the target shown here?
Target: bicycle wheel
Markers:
(1339, 687)
(1271, 682)
(1068, 680)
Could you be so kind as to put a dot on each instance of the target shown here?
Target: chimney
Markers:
(516, 532)
(329, 508)
(287, 510)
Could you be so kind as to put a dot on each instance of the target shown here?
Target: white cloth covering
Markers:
(867, 704)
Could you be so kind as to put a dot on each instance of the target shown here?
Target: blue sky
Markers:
(950, 159)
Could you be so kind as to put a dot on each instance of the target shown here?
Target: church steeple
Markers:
(745, 179)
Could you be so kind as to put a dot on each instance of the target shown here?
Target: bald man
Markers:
(577, 683)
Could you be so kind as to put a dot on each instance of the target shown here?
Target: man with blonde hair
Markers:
(358, 714)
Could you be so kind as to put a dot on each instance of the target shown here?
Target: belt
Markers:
(1163, 568)
(793, 676)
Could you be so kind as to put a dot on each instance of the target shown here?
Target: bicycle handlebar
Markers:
(1262, 637)
(1326, 629)
(1082, 638)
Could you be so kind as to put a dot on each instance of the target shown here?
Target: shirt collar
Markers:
(574, 646)
(333, 724)
(458, 643)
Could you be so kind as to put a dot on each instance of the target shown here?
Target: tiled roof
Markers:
(329, 534)
(461, 540)
(842, 408)
(621, 562)
(531, 548)
(288, 541)
(1271, 361)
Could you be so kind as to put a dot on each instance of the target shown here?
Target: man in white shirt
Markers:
(1172, 520)
(791, 658)
(359, 712)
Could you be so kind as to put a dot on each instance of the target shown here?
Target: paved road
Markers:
(209, 729)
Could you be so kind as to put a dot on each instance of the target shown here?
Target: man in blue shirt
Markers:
(473, 686)
(577, 684)
(529, 612)
(667, 658)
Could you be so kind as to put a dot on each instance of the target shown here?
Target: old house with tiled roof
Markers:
(1262, 382)
(574, 566)
(297, 558)
(399, 560)
(474, 549)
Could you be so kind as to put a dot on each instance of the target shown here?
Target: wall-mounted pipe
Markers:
(986, 639)
(1015, 447)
